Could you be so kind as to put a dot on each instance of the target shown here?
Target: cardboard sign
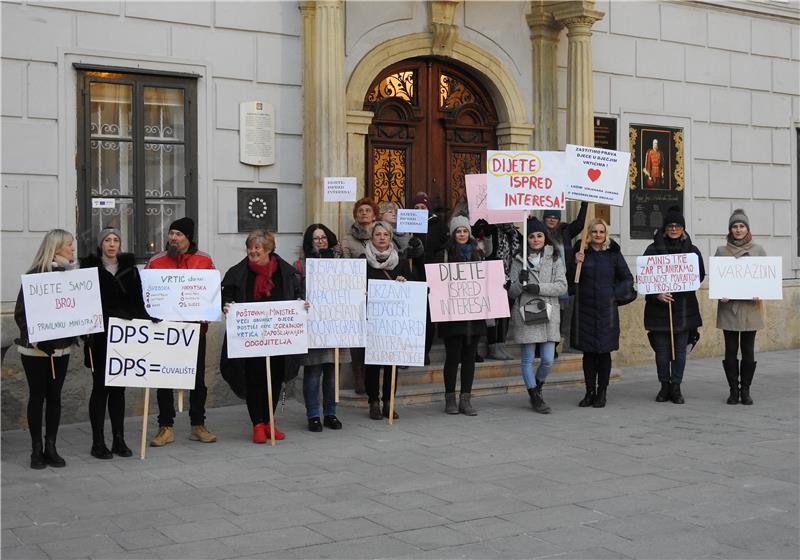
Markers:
(476, 197)
(146, 354)
(745, 278)
(396, 323)
(340, 189)
(62, 304)
(412, 221)
(659, 274)
(525, 180)
(467, 290)
(270, 328)
(181, 294)
(596, 175)
(337, 292)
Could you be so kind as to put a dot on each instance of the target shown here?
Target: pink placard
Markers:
(467, 290)
(476, 197)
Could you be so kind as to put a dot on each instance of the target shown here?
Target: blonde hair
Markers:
(385, 225)
(52, 242)
(265, 238)
(387, 206)
(598, 221)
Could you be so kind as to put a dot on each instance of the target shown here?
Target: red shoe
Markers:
(278, 434)
(259, 433)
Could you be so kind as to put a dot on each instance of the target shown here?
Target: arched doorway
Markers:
(432, 124)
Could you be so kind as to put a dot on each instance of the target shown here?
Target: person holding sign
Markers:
(121, 293)
(739, 319)
(408, 245)
(668, 314)
(535, 319)
(261, 276)
(45, 362)
(365, 212)
(461, 337)
(606, 281)
(383, 263)
(182, 253)
(319, 242)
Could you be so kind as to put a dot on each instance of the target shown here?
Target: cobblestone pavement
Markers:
(637, 479)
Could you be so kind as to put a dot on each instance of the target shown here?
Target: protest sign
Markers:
(596, 175)
(270, 328)
(62, 304)
(146, 354)
(337, 292)
(467, 290)
(745, 278)
(412, 221)
(396, 323)
(659, 274)
(181, 294)
(525, 180)
(476, 197)
(339, 189)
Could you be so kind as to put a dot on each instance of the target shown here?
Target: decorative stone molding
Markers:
(357, 129)
(545, 32)
(514, 136)
(443, 30)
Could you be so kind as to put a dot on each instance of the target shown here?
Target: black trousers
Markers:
(42, 387)
(596, 369)
(102, 396)
(372, 382)
(497, 333)
(459, 350)
(736, 339)
(257, 398)
(197, 397)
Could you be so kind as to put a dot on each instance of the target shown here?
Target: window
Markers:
(137, 161)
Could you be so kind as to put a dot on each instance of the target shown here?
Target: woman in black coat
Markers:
(121, 295)
(672, 239)
(261, 276)
(605, 280)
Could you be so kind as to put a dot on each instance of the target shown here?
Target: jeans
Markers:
(669, 371)
(311, 379)
(547, 352)
(197, 396)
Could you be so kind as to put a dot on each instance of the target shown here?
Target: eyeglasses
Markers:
(323, 238)
(674, 226)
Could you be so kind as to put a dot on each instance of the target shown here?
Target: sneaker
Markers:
(199, 433)
(260, 433)
(164, 436)
(279, 435)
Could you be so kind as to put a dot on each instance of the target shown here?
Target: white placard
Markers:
(745, 278)
(256, 133)
(104, 203)
(525, 180)
(182, 294)
(596, 174)
(339, 189)
(659, 274)
(62, 304)
(412, 221)
(396, 323)
(270, 328)
(337, 292)
(156, 355)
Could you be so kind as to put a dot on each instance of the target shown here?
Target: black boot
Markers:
(118, 446)
(51, 456)
(600, 399)
(731, 368)
(675, 393)
(590, 378)
(537, 402)
(588, 400)
(747, 372)
(37, 456)
(385, 411)
(664, 394)
(99, 449)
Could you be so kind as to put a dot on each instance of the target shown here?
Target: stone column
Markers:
(357, 129)
(544, 44)
(514, 136)
(324, 132)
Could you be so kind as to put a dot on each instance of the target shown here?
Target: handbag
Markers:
(628, 298)
(535, 311)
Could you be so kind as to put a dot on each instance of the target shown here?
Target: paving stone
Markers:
(409, 519)
(554, 517)
(465, 511)
(201, 530)
(431, 538)
(363, 507)
(30, 552)
(382, 546)
(98, 545)
(277, 519)
(488, 528)
(347, 529)
(268, 541)
(143, 538)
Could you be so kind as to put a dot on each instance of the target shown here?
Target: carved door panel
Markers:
(433, 124)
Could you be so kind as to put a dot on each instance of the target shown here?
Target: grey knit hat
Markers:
(106, 232)
(739, 217)
(459, 221)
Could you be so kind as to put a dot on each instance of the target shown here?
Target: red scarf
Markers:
(264, 284)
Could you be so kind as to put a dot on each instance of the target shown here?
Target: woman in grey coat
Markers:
(540, 282)
(739, 319)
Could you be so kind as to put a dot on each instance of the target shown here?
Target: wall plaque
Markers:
(257, 209)
(256, 133)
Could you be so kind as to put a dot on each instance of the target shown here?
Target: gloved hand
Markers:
(47, 347)
(414, 242)
(523, 275)
(532, 289)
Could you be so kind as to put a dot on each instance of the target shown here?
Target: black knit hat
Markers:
(535, 225)
(674, 216)
(185, 226)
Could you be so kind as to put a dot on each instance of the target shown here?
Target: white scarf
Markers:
(383, 260)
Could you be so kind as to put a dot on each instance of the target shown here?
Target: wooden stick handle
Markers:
(336, 372)
(391, 395)
(671, 332)
(91, 360)
(584, 238)
(145, 417)
(180, 400)
(269, 403)
(52, 367)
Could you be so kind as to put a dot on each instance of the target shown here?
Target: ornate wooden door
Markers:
(433, 124)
